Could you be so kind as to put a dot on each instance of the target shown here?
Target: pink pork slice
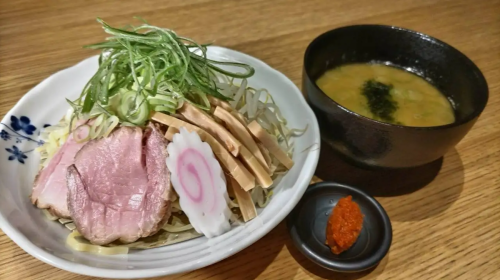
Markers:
(49, 190)
(119, 186)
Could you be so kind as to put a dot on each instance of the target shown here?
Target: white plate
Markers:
(45, 240)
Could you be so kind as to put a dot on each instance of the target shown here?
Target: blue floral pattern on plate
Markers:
(4, 135)
(22, 123)
(19, 131)
(16, 154)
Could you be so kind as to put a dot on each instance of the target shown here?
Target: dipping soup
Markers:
(387, 94)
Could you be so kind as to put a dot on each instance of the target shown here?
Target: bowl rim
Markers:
(355, 266)
(483, 85)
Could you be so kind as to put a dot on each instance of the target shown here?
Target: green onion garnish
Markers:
(150, 68)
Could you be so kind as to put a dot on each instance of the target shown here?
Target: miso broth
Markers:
(387, 94)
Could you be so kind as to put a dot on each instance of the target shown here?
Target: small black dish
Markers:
(307, 227)
(372, 143)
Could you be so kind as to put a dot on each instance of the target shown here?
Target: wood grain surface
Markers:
(445, 216)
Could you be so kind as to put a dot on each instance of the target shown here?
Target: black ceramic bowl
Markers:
(373, 143)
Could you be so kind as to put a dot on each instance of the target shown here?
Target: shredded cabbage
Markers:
(53, 137)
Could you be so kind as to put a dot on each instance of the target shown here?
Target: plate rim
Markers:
(29, 247)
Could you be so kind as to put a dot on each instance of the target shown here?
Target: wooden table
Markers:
(446, 216)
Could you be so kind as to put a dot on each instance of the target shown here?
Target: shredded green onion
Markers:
(151, 68)
(133, 108)
(83, 129)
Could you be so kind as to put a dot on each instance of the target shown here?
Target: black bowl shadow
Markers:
(332, 166)
(436, 197)
(247, 264)
(313, 269)
(431, 188)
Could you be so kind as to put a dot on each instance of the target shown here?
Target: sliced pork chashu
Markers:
(119, 186)
(50, 190)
